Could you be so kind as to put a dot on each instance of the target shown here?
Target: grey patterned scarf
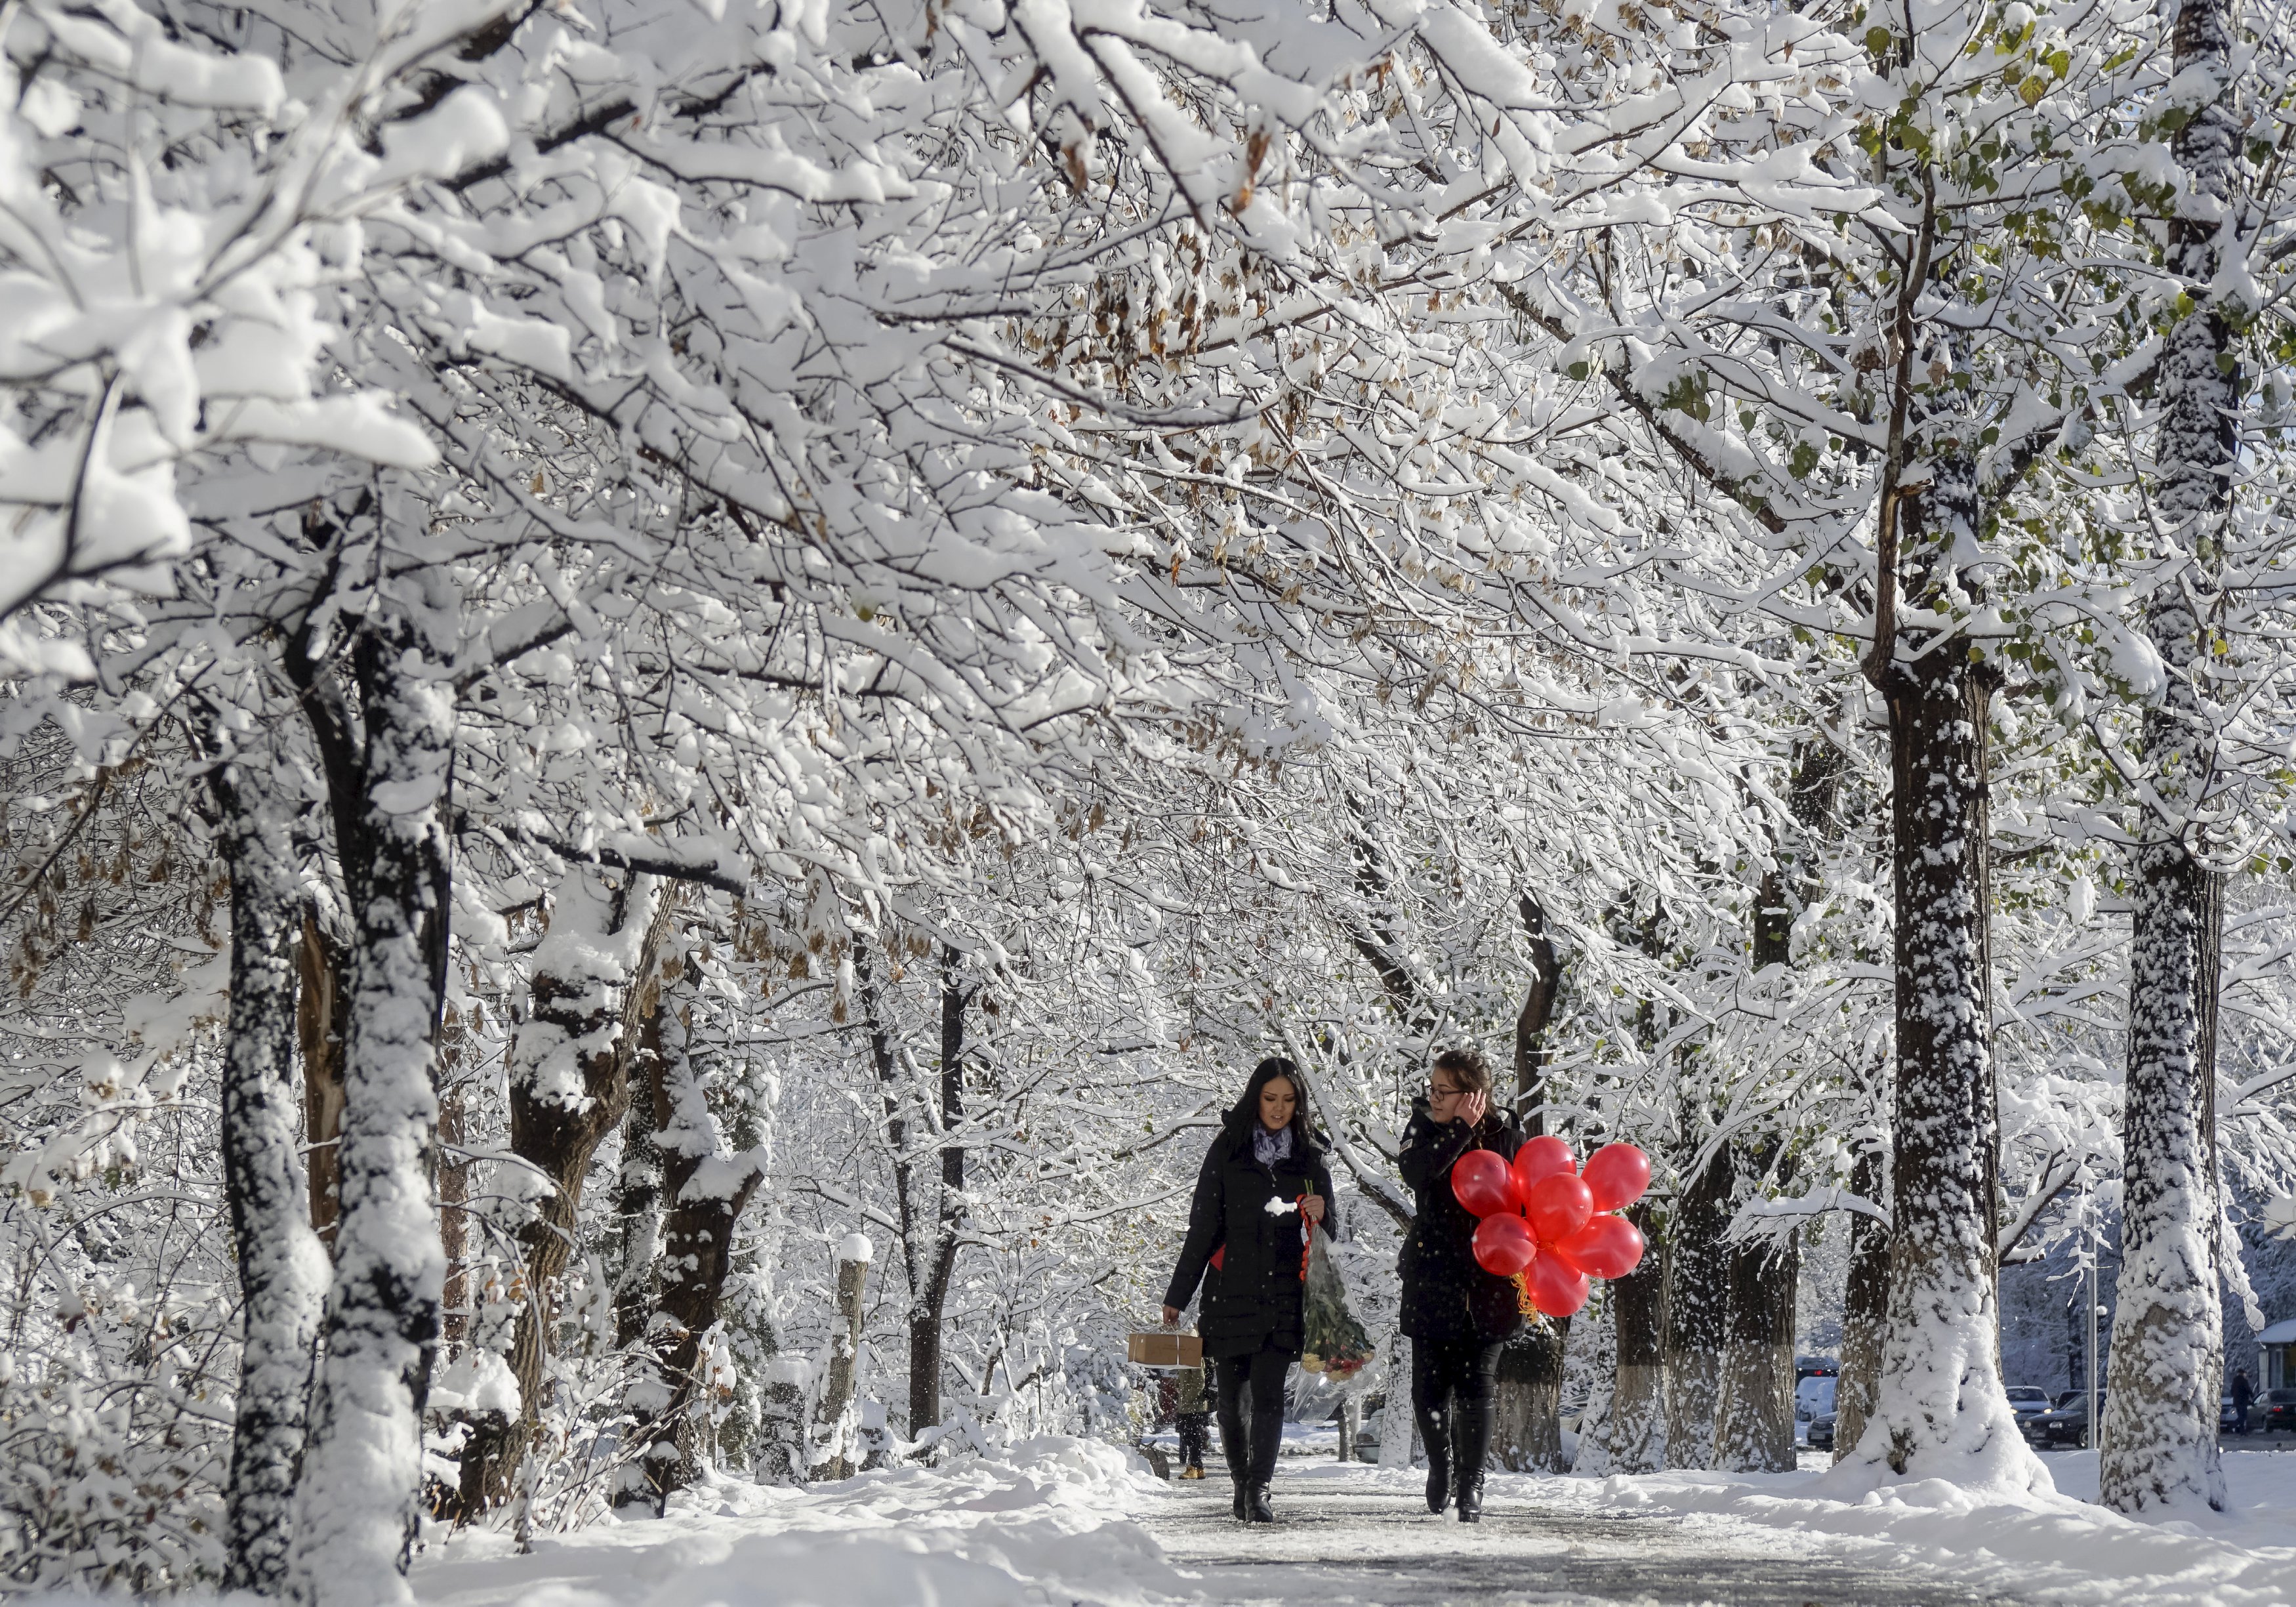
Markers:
(1269, 1147)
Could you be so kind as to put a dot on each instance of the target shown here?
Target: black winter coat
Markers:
(1446, 1296)
(1254, 1301)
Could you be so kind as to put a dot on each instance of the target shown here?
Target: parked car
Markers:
(2065, 1424)
(1813, 1399)
(1821, 1433)
(2029, 1401)
(2278, 1408)
(2228, 1416)
(1815, 1366)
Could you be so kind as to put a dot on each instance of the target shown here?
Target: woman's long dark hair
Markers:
(1243, 1115)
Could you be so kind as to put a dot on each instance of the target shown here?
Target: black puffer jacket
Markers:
(1446, 1296)
(1254, 1302)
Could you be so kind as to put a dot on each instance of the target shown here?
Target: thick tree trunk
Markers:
(1527, 1411)
(1754, 1415)
(707, 1186)
(1638, 1398)
(638, 1204)
(569, 1074)
(1697, 1305)
(1940, 1409)
(356, 1512)
(2159, 1452)
(1865, 1305)
(282, 1267)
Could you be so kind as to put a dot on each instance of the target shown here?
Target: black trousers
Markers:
(1454, 1373)
(1257, 1377)
(1192, 1425)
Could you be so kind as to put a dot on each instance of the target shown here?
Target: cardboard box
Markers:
(1165, 1347)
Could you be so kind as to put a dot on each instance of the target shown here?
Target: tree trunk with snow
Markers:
(1527, 1409)
(1754, 1397)
(638, 1203)
(1754, 1413)
(1939, 1410)
(2159, 1433)
(853, 1257)
(1697, 1306)
(454, 1187)
(568, 1077)
(363, 1471)
(282, 1267)
(321, 1025)
(929, 1311)
(1637, 1425)
(707, 1186)
(1865, 1304)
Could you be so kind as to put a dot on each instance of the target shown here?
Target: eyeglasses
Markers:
(1436, 1091)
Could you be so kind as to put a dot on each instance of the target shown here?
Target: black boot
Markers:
(1261, 1511)
(1243, 1499)
(1434, 1435)
(1473, 1443)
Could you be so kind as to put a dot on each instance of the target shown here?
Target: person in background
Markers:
(1263, 1184)
(1193, 1420)
(1457, 1315)
(2244, 1396)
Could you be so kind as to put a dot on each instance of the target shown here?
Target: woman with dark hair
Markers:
(1457, 1315)
(1263, 1185)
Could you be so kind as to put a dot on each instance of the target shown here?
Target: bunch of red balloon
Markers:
(1548, 1223)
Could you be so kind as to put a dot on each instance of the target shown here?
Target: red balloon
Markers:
(1504, 1245)
(1556, 1288)
(1617, 1174)
(1608, 1247)
(1541, 1158)
(1558, 1207)
(1481, 1180)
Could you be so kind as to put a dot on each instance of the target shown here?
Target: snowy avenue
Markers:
(1136, 803)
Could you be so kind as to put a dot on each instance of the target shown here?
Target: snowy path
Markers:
(1350, 1538)
(1057, 1522)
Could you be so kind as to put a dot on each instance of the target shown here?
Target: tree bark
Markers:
(594, 980)
(929, 1312)
(357, 1511)
(2159, 1433)
(845, 1353)
(282, 1267)
(1865, 1304)
(637, 1205)
(1697, 1308)
(1527, 1413)
(1940, 1409)
(1638, 1399)
(323, 1024)
(1754, 1412)
(707, 1186)
(454, 1190)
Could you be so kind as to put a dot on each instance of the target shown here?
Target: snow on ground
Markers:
(2044, 1548)
(1046, 1523)
(1057, 1521)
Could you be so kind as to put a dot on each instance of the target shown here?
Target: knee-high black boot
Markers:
(1267, 1444)
(1434, 1433)
(1235, 1446)
(1472, 1444)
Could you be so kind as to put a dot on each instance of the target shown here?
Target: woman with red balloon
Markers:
(1263, 1186)
(1458, 1314)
